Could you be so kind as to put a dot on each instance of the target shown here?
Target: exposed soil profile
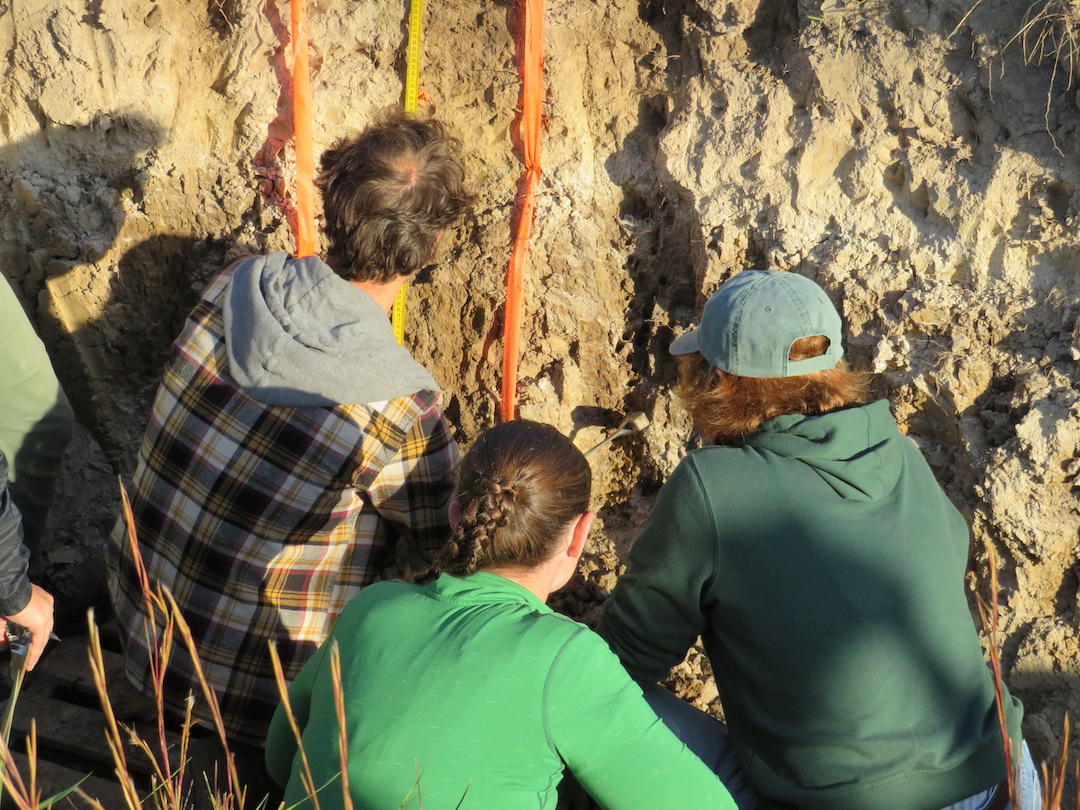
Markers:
(906, 155)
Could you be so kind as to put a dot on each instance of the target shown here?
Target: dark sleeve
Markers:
(612, 741)
(658, 608)
(14, 556)
(412, 491)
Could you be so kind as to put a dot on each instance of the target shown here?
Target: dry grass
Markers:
(1055, 774)
(1051, 31)
(173, 784)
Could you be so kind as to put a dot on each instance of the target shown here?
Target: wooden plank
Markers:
(53, 778)
(68, 662)
(65, 673)
(61, 698)
(72, 735)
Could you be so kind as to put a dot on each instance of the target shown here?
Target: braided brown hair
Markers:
(519, 487)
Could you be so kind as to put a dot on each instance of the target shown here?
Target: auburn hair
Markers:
(727, 408)
(519, 487)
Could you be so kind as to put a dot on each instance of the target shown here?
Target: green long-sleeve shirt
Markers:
(823, 567)
(36, 421)
(474, 684)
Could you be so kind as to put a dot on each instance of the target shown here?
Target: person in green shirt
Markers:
(468, 690)
(36, 422)
(823, 567)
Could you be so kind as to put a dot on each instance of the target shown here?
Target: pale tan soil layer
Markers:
(901, 154)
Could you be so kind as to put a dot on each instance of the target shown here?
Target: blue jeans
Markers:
(1028, 788)
(709, 739)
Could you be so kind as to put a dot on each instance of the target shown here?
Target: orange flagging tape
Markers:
(305, 160)
(532, 93)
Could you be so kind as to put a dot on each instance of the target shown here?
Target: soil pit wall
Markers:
(904, 155)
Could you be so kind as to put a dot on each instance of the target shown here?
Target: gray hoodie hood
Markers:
(857, 451)
(297, 334)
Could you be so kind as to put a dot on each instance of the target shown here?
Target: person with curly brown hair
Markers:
(812, 550)
(470, 685)
(296, 452)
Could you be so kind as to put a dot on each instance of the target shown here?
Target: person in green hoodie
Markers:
(469, 691)
(823, 567)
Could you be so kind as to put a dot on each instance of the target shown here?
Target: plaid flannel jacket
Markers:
(263, 521)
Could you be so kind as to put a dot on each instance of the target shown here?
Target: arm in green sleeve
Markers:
(613, 742)
(280, 741)
(657, 608)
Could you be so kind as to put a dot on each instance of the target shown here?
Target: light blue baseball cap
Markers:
(750, 323)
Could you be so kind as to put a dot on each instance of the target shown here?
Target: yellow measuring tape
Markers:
(412, 69)
(412, 96)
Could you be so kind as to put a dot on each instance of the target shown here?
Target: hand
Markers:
(37, 617)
